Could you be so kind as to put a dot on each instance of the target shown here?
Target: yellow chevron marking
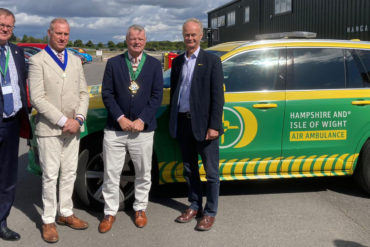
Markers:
(273, 169)
(350, 162)
(318, 163)
(228, 165)
(251, 165)
(339, 164)
(285, 164)
(239, 166)
(307, 163)
(297, 164)
(167, 171)
(329, 162)
(262, 166)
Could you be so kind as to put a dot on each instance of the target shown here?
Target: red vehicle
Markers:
(39, 45)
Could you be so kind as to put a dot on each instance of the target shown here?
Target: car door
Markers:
(253, 113)
(322, 125)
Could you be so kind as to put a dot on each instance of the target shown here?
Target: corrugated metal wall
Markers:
(332, 19)
(241, 30)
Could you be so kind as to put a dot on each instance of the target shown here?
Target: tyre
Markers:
(362, 173)
(90, 176)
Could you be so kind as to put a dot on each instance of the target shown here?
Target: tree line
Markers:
(150, 45)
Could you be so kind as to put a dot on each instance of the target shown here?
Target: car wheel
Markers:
(90, 178)
(362, 173)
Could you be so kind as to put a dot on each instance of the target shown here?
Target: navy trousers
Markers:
(9, 145)
(209, 152)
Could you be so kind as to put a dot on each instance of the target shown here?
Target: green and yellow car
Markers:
(293, 108)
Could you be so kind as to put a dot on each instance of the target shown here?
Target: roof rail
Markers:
(285, 35)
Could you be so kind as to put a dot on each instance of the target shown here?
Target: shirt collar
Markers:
(138, 58)
(194, 55)
(55, 52)
(6, 45)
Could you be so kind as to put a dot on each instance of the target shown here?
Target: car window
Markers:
(365, 59)
(356, 72)
(252, 71)
(317, 68)
(167, 78)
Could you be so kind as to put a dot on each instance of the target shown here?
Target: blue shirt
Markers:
(186, 77)
(14, 82)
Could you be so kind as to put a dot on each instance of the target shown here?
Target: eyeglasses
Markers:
(2, 26)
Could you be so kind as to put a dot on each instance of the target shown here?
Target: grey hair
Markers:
(135, 27)
(195, 20)
(7, 12)
(55, 20)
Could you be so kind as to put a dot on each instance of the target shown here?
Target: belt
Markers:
(185, 114)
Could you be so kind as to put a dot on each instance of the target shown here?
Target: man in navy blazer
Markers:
(196, 106)
(13, 118)
(132, 92)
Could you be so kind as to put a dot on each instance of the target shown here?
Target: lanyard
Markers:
(135, 75)
(3, 72)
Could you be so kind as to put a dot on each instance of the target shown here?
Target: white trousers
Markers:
(58, 159)
(115, 146)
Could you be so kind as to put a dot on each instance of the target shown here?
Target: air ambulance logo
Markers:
(240, 127)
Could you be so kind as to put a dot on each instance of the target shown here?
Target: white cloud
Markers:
(119, 38)
(31, 20)
(103, 20)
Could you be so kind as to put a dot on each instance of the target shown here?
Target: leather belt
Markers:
(185, 114)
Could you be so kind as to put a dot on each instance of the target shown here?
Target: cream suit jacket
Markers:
(56, 93)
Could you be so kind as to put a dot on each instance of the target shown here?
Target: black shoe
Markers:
(7, 234)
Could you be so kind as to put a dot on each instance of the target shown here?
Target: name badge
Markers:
(7, 89)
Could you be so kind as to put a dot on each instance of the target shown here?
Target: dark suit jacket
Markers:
(18, 57)
(117, 97)
(206, 94)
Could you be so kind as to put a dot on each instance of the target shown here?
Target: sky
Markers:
(105, 20)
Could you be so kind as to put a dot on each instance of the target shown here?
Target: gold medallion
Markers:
(133, 87)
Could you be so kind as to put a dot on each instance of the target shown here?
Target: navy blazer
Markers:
(18, 56)
(206, 94)
(118, 99)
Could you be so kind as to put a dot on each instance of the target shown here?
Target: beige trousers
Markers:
(58, 159)
(115, 146)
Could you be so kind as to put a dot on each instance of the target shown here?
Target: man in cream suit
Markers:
(59, 93)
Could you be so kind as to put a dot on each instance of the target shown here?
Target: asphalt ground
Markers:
(292, 212)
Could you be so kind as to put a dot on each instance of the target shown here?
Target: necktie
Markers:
(134, 64)
(6, 85)
(60, 56)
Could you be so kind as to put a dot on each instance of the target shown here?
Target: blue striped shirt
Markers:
(14, 82)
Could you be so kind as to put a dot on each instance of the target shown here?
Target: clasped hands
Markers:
(133, 126)
(71, 126)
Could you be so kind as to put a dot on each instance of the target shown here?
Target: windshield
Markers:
(217, 53)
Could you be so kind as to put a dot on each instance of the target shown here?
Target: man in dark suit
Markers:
(13, 117)
(196, 107)
(132, 92)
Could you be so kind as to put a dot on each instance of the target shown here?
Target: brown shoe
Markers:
(205, 223)
(188, 215)
(106, 223)
(49, 233)
(73, 222)
(140, 218)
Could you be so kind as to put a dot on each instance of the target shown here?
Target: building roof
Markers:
(223, 6)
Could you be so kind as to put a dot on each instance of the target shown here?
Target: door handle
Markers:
(361, 102)
(264, 106)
